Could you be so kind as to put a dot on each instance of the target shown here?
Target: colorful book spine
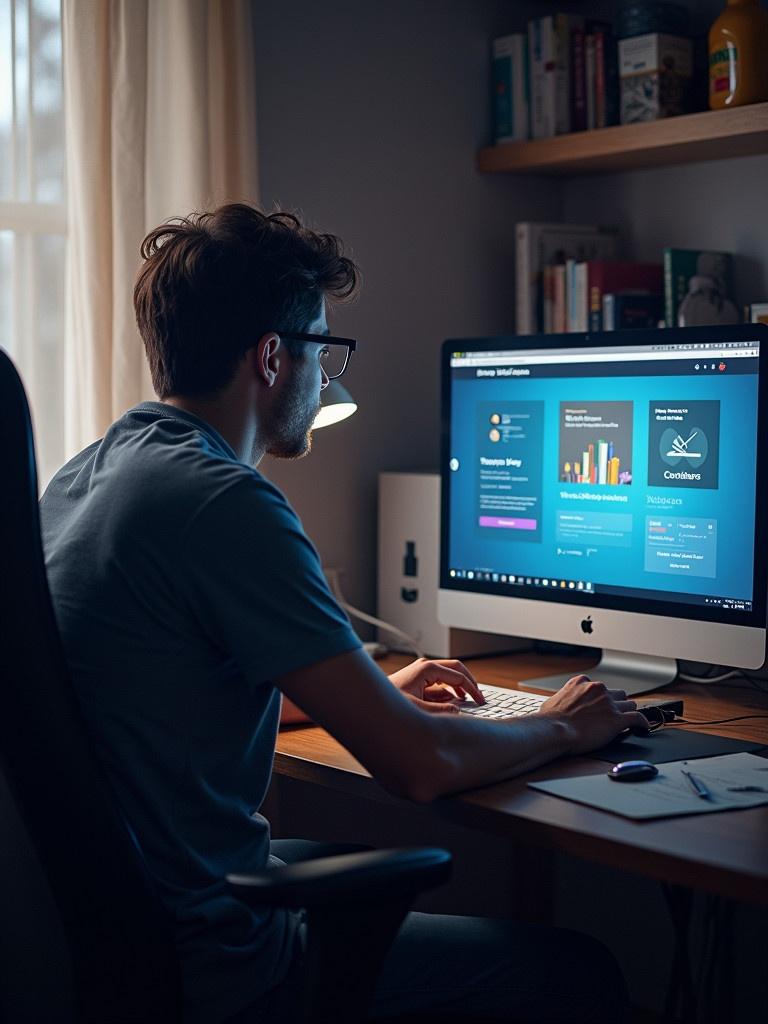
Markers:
(570, 295)
(559, 318)
(600, 79)
(510, 88)
(538, 59)
(578, 82)
(605, 276)
(549, 44)
(562, 27)
(538, 245)
(606, 76)
(589, 62)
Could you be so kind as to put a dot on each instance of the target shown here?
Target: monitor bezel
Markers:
(756, 618)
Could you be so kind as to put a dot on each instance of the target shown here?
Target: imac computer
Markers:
(609, 490)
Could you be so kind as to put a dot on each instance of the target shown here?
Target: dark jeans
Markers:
(475, 968)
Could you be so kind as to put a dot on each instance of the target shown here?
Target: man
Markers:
(189, 599)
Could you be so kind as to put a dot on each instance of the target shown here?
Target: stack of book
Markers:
(559, 76)
(569, 279)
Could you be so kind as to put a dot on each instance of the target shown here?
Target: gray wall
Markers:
(369, 117)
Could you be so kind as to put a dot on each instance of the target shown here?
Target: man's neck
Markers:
(227, 416)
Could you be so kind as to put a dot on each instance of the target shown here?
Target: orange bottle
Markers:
(738, 55)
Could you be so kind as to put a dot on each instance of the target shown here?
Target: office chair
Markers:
(83, 936)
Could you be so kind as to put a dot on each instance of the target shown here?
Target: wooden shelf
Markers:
(711, 135)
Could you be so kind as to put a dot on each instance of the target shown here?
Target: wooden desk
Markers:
(726, 853)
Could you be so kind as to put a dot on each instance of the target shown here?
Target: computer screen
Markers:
(616, 471)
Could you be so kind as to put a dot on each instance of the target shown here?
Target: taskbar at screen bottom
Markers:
(512, 584)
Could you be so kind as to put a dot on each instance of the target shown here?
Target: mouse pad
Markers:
(672, 744)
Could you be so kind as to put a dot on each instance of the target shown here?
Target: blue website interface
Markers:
(626, 470)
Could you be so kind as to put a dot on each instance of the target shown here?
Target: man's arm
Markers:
(422, 756)
(434, 685)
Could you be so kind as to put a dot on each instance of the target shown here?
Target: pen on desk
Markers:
(697, 785)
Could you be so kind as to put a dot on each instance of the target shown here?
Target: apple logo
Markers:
(586, 624)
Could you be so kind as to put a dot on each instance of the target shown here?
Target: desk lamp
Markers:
(336, 404)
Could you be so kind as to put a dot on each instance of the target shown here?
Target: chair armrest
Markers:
(369, 877)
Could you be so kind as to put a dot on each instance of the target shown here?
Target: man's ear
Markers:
(266, 358)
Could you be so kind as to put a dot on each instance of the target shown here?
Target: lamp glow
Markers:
(336, 405)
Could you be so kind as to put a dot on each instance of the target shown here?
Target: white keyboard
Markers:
(503, 703)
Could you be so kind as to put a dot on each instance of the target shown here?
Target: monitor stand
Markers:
(633, 673)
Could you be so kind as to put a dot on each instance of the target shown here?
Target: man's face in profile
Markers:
(288, 432)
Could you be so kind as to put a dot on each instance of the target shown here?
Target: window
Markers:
(32, 213)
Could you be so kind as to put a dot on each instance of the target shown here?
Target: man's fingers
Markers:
(626, 705)
(436, 707)
(633, 719)
(618, 694)
(456, 668)
(439, 692)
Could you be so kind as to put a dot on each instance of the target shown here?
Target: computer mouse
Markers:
(632, 771)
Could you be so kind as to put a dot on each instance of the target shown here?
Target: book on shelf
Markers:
(756, 313)
(606, 76)
(698, 287)
(622, 311)
(549, 47)
(510, 88)
(571, 304)
(578, 81)
(617, 276)
(559, 321)
(576, 289)
(601, 74)
(540, 244)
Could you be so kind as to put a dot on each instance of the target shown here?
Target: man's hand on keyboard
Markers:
(437, 686)
(593, 713)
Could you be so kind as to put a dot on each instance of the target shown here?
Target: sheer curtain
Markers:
(32, 212)
(160, 121)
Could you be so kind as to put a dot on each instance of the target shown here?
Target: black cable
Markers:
(714, 721)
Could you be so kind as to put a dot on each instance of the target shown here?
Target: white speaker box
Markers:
(409, 571)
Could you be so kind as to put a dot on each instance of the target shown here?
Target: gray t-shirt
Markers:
(182, 583)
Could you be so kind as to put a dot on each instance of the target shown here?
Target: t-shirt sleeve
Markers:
(253, 581)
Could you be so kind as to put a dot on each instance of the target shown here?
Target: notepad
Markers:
(669, 793)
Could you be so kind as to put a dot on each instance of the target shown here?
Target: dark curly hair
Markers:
(213, 283)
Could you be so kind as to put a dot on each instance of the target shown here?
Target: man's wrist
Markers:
(564, 733)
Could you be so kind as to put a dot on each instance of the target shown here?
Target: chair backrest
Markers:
(123, 965)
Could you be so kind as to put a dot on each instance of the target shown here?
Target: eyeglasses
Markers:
(335, 356)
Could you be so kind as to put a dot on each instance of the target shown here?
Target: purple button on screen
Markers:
(508, 524)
